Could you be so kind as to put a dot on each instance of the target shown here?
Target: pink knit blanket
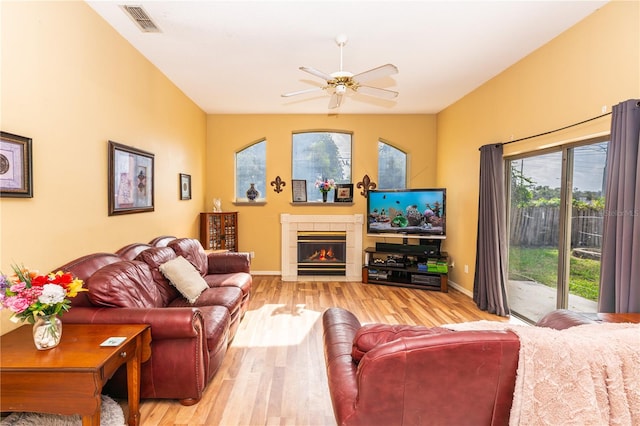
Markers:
(584, 375)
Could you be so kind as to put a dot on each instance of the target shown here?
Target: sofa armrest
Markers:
(228, 263)
(166, 323)
(339, 329)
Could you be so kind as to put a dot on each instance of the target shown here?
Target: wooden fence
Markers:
(539, 227)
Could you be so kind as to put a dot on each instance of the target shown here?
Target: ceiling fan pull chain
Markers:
(341, 40)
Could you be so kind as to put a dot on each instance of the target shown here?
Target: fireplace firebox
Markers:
(322, 253)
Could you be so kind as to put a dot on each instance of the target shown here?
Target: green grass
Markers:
(541, 265)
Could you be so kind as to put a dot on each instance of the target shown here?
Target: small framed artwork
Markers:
(299, 188)
(130, 180)
(16, 172)
(343, 193)
(185, 186)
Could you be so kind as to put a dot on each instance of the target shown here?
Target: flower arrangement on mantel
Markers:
(325, 185)
(39, 300)
(30, 295)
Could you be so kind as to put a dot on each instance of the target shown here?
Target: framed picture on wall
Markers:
(299, 189)
(16, 173)
(343, 193)
(185, 186)
(130, 180)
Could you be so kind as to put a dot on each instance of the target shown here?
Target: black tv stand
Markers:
(421, 266)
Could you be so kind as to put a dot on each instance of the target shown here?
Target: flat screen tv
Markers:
(418, 213)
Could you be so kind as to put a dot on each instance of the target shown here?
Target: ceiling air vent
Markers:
(140, 17)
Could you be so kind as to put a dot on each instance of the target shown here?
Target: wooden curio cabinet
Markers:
(219, 231)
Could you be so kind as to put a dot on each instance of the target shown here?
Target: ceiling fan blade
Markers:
(313, 71)
(376, 73)
(335, 101)
(376, 91)
(300, 92)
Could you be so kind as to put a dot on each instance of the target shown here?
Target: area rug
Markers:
(110, 415)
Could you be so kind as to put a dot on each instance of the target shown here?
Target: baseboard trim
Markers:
(461, 289)
(278, 273)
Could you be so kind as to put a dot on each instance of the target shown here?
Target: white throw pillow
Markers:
(184, 276)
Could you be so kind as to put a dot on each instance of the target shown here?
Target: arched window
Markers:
(321, 155)
(392, 167)
(251, 168)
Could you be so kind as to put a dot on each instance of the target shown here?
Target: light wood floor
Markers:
(274, 371)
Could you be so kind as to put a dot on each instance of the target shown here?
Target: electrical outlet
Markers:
(252, 254)
(466, 269)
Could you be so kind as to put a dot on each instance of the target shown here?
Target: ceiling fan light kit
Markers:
(338, 83)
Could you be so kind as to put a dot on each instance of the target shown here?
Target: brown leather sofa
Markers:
(382, 374)
(189, 340)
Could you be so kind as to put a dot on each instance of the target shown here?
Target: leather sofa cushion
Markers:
(185, 277)
(83, 268)
(192, 250)
(229, 297)
(154, 257)
(371, 335)
(124, 284)
(130, 251)
(216, 327)
(162, 240)
(242, 280)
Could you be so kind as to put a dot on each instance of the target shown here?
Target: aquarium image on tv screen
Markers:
(406, 212)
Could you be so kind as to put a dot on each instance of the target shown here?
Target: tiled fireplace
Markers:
(293, 225)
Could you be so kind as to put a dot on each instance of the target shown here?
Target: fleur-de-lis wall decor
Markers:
(367, 185)
(278, 183)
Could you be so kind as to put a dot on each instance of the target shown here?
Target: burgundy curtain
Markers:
(620, 262)
(489, 287)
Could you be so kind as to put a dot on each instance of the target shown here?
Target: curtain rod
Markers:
(555, 130)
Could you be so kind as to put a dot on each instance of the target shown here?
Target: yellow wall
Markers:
(259, 225)
(71, 83)
(594, 64)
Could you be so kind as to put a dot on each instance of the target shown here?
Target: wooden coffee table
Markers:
(68, 379)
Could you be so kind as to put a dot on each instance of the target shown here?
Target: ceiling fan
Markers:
(340, 82)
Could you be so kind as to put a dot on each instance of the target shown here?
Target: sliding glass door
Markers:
(586, 216)
(556, 205)
(533, 234)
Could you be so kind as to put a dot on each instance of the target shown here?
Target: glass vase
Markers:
(47, 332)
(252, 192)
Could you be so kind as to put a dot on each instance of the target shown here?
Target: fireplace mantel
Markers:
(351, 224)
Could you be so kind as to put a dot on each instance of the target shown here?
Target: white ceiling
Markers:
(238, 57)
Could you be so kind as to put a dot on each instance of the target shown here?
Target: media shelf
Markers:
(406, 266)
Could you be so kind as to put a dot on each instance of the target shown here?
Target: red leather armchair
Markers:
(447, 378)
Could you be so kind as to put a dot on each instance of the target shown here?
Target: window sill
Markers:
(249, 203)
(320, 203)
